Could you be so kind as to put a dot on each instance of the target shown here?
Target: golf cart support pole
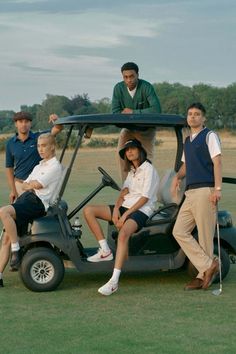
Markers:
(218, 292)
(86, 200)
(79, 141)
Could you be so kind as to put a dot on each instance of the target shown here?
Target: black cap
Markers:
(22, 115)
(131, 143)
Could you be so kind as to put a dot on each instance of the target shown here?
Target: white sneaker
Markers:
(101, 256)
(109, 288)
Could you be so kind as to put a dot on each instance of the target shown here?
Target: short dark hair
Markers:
(197, 105)
(22, 115)
(130, 66)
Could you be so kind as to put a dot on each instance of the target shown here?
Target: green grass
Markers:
(150, 312)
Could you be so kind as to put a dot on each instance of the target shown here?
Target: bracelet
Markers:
(218, 189)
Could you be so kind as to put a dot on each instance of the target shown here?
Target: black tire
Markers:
(41, 269)
(225, 262)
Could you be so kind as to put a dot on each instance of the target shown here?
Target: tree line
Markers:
(220, 103)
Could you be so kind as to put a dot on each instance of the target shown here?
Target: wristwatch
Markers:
(218, 189)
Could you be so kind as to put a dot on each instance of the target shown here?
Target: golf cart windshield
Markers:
(130, 121)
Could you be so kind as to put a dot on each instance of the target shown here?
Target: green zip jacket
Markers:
(145, 99)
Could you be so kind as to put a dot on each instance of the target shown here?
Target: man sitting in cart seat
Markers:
(33, 203)
(134, 205)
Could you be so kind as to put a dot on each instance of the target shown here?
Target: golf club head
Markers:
(217, 292)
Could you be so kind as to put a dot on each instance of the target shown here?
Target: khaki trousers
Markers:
(147, 139)
(197, 210)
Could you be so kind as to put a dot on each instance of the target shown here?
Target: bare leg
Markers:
(126, 231)
(94, 212)
(4, 252)
(8, 217)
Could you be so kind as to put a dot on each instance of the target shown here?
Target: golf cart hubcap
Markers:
(42, 272)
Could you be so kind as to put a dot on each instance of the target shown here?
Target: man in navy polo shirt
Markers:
(21, 152)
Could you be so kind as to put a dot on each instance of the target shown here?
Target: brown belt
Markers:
(19, 180)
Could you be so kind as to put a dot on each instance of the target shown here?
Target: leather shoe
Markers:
(1, 283)
(210, 274)
(195, 284)
(15, 260)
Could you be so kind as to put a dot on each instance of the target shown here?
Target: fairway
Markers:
(150, 313)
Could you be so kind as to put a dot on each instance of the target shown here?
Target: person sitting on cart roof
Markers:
(134, 205)
(134, 95)
(33, 203)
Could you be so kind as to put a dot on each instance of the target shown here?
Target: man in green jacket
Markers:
(134, 95)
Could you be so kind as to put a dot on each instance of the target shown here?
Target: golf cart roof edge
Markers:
(147, 119)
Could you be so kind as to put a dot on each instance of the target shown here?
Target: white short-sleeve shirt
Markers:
(142, 182)
(48, 174)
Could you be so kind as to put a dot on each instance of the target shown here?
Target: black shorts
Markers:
(27, 207)
(138, 216)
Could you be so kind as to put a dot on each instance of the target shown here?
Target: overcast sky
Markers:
(70, 47)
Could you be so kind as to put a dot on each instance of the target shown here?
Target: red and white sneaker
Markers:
(109, 288)
(101, 256)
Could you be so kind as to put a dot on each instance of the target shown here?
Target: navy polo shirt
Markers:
(23, 156)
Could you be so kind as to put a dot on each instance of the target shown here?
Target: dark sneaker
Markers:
(15, 260)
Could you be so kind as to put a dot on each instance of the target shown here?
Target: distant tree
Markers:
(52, 104)
(174, 98)
(80, 105)
(229, 106)
(103, 105)
(6, 121)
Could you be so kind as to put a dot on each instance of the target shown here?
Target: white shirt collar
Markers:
(48, 162)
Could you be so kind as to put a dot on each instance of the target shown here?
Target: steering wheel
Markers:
(107, 180)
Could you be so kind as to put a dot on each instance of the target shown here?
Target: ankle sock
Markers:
(104, 245)
(15, 247)
(116, 275)
(0, 275)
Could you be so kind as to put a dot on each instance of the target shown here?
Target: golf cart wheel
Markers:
(41, 269)
(225, 264)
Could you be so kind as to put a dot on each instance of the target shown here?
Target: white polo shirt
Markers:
(142, 182)
(48, 174)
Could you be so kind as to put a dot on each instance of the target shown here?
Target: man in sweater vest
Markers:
(203, 171)
(133, 95)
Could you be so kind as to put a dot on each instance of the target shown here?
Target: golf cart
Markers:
(53, 239)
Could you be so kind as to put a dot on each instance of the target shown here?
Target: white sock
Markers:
(104, 246)
(0, 275)
(15, 247)
(115, 276)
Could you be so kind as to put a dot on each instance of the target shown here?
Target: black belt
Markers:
(199, 185)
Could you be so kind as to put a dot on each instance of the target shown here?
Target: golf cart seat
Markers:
(169, 201)
(156, 236)
(56, 202)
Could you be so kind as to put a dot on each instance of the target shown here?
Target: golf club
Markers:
(217, 292)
